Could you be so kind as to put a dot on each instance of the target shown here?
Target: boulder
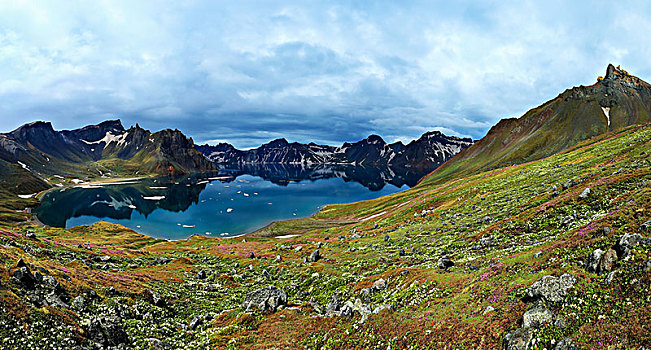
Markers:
(626, 243)
(519, 339)
(156, 299)
(585, 193)
(105, 331)
(79, 303)
(54, 300)
(315, 256)
(196, 322)
(201, 274)
(551, 289)
(21, 263)
(445, 263)
(536, 315)
(600, 261)
(24, 277)
(379, 285)
(266, 299)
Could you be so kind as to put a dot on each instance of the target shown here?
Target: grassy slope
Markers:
(433, 309)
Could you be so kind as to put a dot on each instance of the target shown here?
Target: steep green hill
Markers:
(613, 102)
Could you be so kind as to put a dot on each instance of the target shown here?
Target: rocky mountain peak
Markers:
(373, 139)
(613, 73)
(278, 143)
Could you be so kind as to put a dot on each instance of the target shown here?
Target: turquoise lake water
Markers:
(205, 204)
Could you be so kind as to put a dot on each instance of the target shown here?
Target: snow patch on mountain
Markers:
(120, 139)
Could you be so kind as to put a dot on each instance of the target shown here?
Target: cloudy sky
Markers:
(247, 72)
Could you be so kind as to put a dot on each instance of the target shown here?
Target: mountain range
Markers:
(36, 152)
(428, 152)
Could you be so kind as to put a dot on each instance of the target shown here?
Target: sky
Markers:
(247, 72)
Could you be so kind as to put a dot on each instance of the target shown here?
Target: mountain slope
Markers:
(428, 152)
(579, 113)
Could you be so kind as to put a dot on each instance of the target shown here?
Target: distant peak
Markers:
(116, 124)
(278, 142)
(433, 133)
(374, 139)
(37, 125)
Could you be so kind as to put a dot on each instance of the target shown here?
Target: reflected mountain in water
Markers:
(121, 199)
(373, 178)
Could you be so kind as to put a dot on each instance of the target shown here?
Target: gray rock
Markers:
(356, 236)
(488, 310)
(79, 303)
(486, 241)
(156, 299)
(105, 331)
(594, 260)
(201, 274)
(609, 278)
(265, 299)
(626, 243)
(536, 315)
(379, 285)
(315, 256)
(24, 277)
(585, 193)
(519, 339)
(568, 184)
(54, 300)
(30, 235)
(600, 261)
(565, 344)
(20, 263)
(196, 322)
(445, 263)
(387, 238)
(298, 249)
(551, 289)
(161, 261)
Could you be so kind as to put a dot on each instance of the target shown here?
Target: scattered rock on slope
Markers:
(265, 299)
(551, 289)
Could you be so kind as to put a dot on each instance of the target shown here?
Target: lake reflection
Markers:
(231, 202)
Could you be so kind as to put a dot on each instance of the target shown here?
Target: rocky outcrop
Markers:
(267, 299)
(551, 289)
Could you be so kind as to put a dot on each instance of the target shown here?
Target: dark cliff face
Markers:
(430, 150)
(613, 102)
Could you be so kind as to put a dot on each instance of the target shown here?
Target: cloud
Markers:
(248, 72)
